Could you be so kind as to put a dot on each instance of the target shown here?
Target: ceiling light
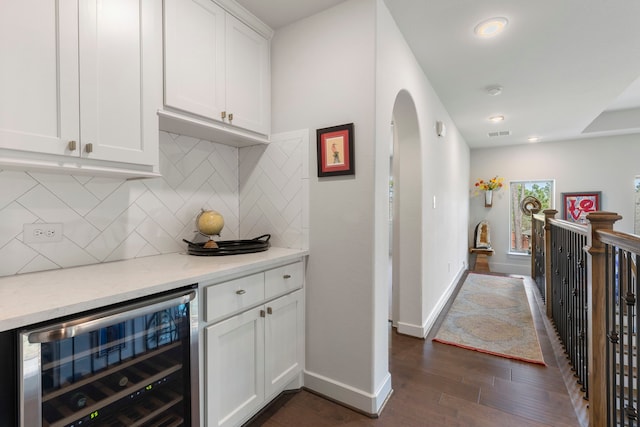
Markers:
(491, 27)
(494, 90)
(533, 139)
(496, 119)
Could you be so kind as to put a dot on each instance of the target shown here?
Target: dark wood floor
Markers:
(440, 385)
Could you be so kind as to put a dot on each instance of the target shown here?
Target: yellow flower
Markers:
(494, 183)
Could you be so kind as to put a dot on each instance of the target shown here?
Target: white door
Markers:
(234, 369)
(120, 79)
(39, 95)
(248, 81)
(284, 341)
(194, 53)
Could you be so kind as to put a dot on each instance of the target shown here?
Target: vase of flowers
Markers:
(489, 187)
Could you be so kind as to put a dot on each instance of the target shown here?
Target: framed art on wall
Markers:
(335, 150)
(576, 206)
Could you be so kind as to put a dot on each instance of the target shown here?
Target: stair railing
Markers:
(587, 275)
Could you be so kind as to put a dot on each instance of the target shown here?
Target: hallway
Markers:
(440, 385)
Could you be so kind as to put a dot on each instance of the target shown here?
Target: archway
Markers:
(406, 227)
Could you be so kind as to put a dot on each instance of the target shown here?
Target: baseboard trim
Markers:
(421, 331)
(370, 404)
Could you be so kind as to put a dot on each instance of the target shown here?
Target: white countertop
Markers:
(36, 297)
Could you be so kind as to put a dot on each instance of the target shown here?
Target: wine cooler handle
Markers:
(107, 318)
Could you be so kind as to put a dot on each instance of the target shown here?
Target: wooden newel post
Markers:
(596, 316)
(548, 214)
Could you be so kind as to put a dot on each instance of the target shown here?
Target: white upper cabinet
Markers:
(194, 67)
(39, 94)
(248, 81)
(120, 79)
(81, 80)
(216, 70)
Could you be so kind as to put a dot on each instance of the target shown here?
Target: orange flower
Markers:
(494, 183)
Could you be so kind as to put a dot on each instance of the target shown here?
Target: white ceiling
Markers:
(569, 68)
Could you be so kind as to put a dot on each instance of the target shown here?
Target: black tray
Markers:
(230, 247)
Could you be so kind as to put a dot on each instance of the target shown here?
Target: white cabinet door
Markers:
(194, 54)
(120, 79)
(216, 66)
(234, 369)
(248, 81)
(88, 72)
(284, 342)
(39, 93)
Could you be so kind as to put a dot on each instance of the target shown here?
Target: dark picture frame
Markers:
(335, 150)
(576, 206)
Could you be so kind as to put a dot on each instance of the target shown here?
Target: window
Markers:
(520, 224)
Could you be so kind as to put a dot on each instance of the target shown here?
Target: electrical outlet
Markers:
(42, 233)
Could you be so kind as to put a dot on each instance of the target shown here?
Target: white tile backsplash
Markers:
(12, 218)
(14, 184)
(273, 188)
(258, 190)
(14, 256)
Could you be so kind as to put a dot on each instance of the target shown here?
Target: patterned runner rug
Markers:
(491, 314)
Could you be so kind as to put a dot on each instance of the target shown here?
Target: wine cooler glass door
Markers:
(121, 367)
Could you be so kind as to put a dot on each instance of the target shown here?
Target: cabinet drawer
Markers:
(284, 279)
(232, 296)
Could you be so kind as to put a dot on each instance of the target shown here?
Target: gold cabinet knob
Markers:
(230, 117)
(223, 115)
(72, 145)
(88, 148)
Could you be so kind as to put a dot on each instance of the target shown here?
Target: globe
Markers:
(209, 222)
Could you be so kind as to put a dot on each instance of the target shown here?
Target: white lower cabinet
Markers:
(252, 356)
(284, 342)
(234, 369)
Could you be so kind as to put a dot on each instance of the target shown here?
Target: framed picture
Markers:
(576, 206)
(335, 151)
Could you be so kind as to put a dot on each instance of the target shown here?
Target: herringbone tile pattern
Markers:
(258, 190)
(274, 190)
(108, 219)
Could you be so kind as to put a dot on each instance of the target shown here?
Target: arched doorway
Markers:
(406, 214)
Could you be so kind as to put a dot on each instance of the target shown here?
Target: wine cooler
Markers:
(128, 365)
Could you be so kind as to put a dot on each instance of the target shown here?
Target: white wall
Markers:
(445, 174)
(347, 64)
(607, 164)
(323, 75)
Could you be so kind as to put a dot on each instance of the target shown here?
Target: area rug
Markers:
(491, 314)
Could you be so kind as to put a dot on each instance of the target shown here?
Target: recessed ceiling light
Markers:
(491, 27)
(533, 139)
(494, 90)
(496, 119)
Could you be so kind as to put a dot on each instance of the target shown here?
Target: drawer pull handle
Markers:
(286, 276)
(262, 313)
(241, 292)
(269, 310)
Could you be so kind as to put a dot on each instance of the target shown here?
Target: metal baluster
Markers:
(582, 268)
(634, 283)
(631, 334)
